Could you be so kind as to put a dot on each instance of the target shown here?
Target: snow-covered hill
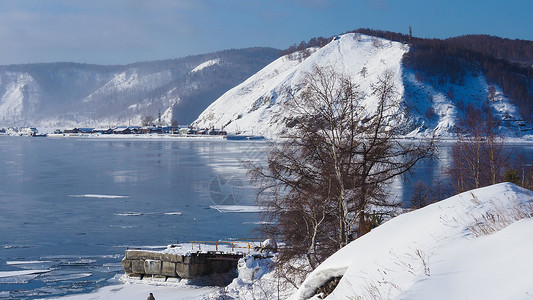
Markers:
(256, 105)
(69, 94)
(475, 245)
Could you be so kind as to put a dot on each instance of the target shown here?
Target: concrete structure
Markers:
(140, 263)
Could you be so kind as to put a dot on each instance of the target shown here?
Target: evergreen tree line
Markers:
(314, 42)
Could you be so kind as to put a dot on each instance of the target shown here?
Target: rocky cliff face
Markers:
(69, 94)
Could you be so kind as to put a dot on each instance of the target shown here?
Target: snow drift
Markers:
(475, 245)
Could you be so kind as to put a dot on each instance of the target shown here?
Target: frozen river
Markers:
(70, 207)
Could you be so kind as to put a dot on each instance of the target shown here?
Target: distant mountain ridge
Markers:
(71, 94)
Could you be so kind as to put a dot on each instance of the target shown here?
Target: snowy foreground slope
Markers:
(441, 252)
(256, 105)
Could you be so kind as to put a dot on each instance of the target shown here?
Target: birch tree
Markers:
(321, 183)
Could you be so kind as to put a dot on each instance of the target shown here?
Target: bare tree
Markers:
(148, 121)
(334, 166)
(425, 194)
(521, 172)
(480, 157)
(491, 95)
(421, 195)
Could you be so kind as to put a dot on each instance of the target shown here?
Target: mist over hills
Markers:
(71, 94)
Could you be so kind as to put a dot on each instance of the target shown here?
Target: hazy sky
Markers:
(125, 31)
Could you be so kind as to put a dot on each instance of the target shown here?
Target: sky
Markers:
(126, 31)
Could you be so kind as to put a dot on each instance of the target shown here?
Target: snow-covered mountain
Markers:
(256, 105)
(69, 94)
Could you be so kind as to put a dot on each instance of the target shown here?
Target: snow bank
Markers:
(256, 280)
(448, 250)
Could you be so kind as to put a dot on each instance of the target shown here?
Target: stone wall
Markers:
(139, 263)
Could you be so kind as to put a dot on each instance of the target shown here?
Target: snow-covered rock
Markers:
(475, 245)
(252, 267)
(269, 245)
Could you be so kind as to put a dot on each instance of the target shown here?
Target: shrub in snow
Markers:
(253, 267)
(497, 216)
(269, 245)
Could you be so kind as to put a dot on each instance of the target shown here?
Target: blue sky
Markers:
(126, 31)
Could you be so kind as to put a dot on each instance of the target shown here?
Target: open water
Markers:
(71, 207)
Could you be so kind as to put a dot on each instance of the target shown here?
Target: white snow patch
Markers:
(64, 277)
(139, 289)
(175, 213)
(99, 196)
(19, 95)
(206, 64)
(237, 208)
(129, 214)
(132, 79)
(25, 262)
(4, 274)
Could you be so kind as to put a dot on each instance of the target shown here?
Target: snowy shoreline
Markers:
(140, 136)
(526, 139)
